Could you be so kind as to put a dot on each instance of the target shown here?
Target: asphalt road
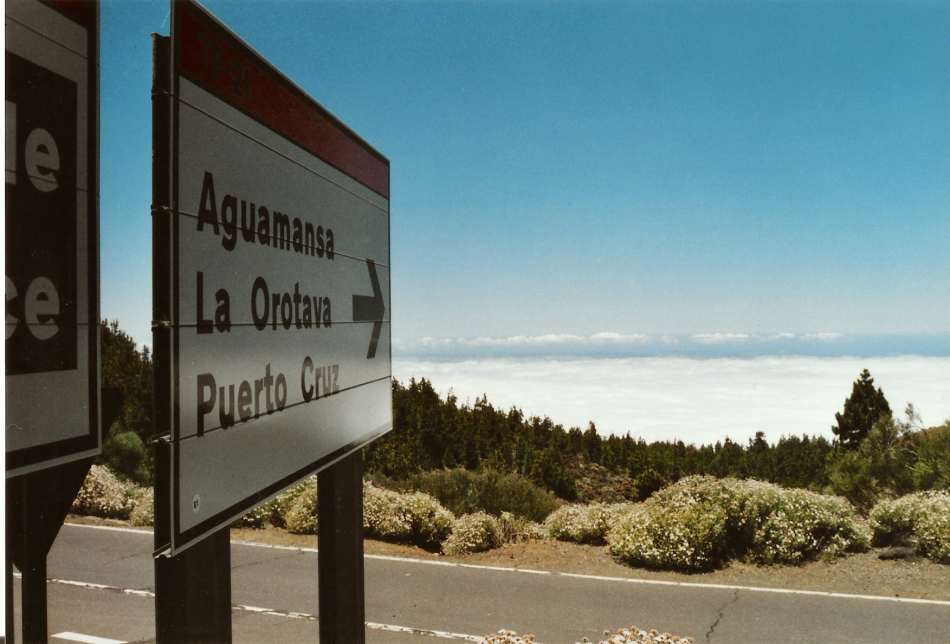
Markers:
(101, 583)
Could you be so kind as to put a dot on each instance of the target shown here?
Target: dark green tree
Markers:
(592, 442)
(647, 482)
(760, 455)
(128, 370)
(864, 407)
(431, 432)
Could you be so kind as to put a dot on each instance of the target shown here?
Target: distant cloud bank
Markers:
(690, 399)
(699, 345)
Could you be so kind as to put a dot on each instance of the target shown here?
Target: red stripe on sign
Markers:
(207, 54)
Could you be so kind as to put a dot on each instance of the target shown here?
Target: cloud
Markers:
(694, 400)
(705, 345)
(719, 338)
(821, 337)
(549, 341)
(556, 339)
(610, 336)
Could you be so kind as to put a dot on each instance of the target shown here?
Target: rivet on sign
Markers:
(196, 503)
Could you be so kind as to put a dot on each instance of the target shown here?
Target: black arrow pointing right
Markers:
(370, 308)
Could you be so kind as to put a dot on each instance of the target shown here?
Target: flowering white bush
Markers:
(300, 516)
(104, 495)
(689, 538)
(584, 523)
(933, 534)
(473, 533)
(416, 517)
(430, 522)
(275, 511)
(387, 515)
(257, 517)
(382, 514)
(632, 635)
(922, 515)
(893, 519)
(280, 505)
(700, 522)
(507, 637)
(143, 510)
(803, 524)
(517, 529)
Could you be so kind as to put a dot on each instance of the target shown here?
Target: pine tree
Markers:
(128, 371)
(864, 407)
(592, 443)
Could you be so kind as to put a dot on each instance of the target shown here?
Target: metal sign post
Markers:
(193, 592)
(193, 589)
(340, 546)
(271, 308)
(37, 503)
(51, 373)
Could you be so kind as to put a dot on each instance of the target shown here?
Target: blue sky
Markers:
(639, 168)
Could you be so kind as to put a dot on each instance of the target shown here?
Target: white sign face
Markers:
(277, 293)
(51, 371)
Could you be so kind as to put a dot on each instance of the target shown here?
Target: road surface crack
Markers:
(721, 613)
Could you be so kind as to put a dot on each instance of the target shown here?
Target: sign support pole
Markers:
(193, 592)
(342, 606)
(35, 627)
(11, 621)
(192, 589)
(37, 504)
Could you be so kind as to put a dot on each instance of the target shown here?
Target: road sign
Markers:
(271, 308)
(52, 218)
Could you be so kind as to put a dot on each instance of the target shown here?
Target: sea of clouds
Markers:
(686, 392)
(608, 344)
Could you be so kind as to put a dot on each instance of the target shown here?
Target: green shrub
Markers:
(125, 453)
(894, 459)
(463, 491)
(584, 523)
(143, 508)
(649, 481)
(931, 471)
(596, 483)
(300, 505)
(850, 476)
(474, 532)
(701, 522)
(127, 371)
(924, 516)
(103, 495)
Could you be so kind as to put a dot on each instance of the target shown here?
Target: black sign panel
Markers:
(41, 207)
(52, 218)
